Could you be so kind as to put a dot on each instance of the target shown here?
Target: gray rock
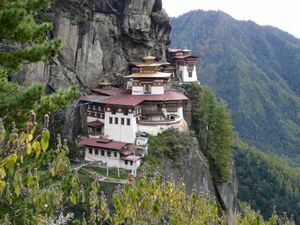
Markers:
(100, 37)
(190, 168)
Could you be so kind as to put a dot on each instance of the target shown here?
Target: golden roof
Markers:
(150, 75)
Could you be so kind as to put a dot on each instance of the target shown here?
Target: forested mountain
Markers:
(255, 69)
(266, 180)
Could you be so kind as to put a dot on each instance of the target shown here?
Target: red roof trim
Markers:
(95, 124)
(124, 99)
(99, 143)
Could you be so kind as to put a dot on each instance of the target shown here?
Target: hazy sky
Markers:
(284, 14)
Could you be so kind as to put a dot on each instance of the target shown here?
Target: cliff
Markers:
(176, 156)
(99, 38)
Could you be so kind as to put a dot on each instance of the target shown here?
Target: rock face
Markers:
(192, 169)
(99, 38)
(227, 195)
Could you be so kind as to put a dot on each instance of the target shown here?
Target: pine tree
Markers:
(25, 41)
(213, 126)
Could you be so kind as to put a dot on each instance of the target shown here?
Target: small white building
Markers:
(185, 64)
(111, 153)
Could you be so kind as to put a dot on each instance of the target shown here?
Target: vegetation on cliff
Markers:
(212, 124)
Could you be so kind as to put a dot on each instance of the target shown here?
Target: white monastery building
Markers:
(119, 120)
(185, 64)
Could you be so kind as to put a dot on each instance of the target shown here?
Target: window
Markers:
(116, 120)
(113, 111)
(190, 73)
(125, 112)
(108, 153)
(110, 120)
(131, 163)
(172, 107)
(122, 121)
(97, 131)
(126, 162)
(115, 154)
(99, 108)
(94, 107)
(91, 130)
(128, 122)
(96, 152)
(147, 88)
(102, 152)
(89, 106)
(90, 151)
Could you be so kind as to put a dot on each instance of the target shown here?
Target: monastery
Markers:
(119, 120)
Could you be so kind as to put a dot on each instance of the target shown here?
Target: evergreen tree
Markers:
(25, 41)
(213, 126)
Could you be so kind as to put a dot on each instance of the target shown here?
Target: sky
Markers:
(284, 14)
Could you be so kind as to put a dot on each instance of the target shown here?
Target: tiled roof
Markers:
(93, 98)
(185, 57)
(126, 99)
(134, 100)
(149, 75)
(174, 49)
(102, 143)
(127, 152)
(132, 158)
(110, 92)
(95, 124)
(155, 63)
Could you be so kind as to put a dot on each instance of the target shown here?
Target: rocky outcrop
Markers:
(191, 169)
(227, 195)
(99, 38)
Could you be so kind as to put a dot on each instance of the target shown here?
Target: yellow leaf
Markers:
(9, 199)
(28, 149)
(29, 138)
(45, 139)
(2, 173)
(73, 198)
(11, 161)
(2, 186)
(36, 146)
(22, 137)
(17, 190)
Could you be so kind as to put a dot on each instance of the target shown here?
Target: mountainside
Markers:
(255, 69)
(266, 181)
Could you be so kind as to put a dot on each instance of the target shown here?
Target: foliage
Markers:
(266, 180)
(16, 101)
(170, 143)
(254, 69)
(212, 124)
(25, 41)
(17, 25)
(156, 202)
(252, 217)
(38, 184)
